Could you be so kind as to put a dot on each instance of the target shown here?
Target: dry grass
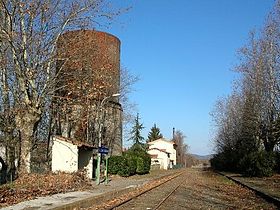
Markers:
(269, 185)
(30, 186)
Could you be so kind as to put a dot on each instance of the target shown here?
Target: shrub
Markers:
(147, 163)
(124, 170)
(140, 166)
(135, 160)
(225, 161)
(140, 157)
(115, 163)
(258, 164)
(132, 163)
(122, 165)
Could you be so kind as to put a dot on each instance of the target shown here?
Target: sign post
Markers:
(106, 172)
(102, 150)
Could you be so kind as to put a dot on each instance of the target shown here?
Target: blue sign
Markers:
(103, 150)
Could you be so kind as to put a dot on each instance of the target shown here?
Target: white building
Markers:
(70, 156)
(163, 153)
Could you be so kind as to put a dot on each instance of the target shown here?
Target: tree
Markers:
(248, 120)
(135, 133)
(154, 134)
(29, 31)
(181, 147)
(128, 80)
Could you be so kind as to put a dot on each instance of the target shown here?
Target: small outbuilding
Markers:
(70, 156)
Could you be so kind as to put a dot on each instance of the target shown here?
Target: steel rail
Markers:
(166, 197)
(141, 193)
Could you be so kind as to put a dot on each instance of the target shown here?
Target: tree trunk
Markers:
(11, 150)
(27, 122)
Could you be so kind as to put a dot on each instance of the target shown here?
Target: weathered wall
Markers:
(64, 156)
(89, 64)
(69, 157)
(85, 161)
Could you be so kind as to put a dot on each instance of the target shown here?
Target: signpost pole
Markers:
(101, 150)
(106, 172)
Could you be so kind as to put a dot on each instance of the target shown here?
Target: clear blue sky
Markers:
(184, 52)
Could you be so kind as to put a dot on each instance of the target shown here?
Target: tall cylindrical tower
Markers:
(88, 71)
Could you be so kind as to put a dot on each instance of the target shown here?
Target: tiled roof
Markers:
(153, 156)
(161, 150)
(162, 139)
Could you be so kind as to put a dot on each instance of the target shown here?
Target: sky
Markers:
(184, 52)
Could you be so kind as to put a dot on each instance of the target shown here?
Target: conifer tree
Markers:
(136, 131)
(154, 134)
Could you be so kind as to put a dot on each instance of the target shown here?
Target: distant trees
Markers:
(29, 31)
(247, 121)
(181, 148)
(154, 134)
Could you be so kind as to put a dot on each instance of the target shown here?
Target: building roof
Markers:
(162, 139)
(74, 142)
(153, 156)
(161, 150)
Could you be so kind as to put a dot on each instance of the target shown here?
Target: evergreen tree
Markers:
(154, 134)
(136, 131)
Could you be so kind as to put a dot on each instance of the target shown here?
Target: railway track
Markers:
(155, 197)
(190, 189)
(125, 201)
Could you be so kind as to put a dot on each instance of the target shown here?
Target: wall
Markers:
(64, 156)
(165, 145)
(85, 161)
(161, 157)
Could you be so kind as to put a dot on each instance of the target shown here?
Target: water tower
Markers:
(88, 73)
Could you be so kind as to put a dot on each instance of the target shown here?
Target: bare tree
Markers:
(248, 120)
(128, 80)
(29, 33)
(181, 147)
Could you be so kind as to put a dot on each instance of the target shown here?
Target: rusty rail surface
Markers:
(122, 202)
(166, 197)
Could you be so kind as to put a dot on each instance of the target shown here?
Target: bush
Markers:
(258, 164)
(115, 163)
(131, 162)
(140, 166)
(135, 160)
(140, 157)
(124, 170)
(122, 165)
(225, 161)
(178, 165)
(147, 163)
